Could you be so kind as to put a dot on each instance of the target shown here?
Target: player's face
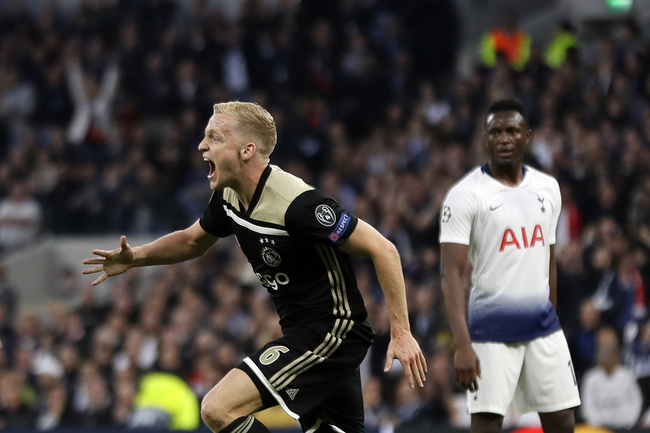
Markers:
(506, 136)
(221, 150)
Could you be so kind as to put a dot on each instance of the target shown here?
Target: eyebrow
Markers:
(213, 133)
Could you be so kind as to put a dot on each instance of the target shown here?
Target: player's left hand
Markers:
(407, 350)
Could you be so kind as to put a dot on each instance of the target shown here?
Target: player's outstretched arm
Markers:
(174, 247)
(467, 367)
(368, 242)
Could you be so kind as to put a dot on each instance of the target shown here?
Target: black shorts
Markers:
(313, 373)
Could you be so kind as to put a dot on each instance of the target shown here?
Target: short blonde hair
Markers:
(253, 120)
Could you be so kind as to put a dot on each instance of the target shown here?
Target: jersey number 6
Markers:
(271, 354)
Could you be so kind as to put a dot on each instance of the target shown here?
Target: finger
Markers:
(478, 368)
(102, 253)
(424, 362)
(463, 382)
(421, 370)
(409, 375)
(123, 244)
(93, 270)
(468, 380)
(94, 261)
(101, 278)
(389, 362)
(475, 385)
(420, 375)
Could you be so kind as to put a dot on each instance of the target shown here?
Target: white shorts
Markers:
(535, 376)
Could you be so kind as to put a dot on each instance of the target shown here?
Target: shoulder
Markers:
(286, 186)
(543, 178)
(280, 191)
(545, 184)
(468, 184)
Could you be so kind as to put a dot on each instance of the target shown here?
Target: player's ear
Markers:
(248, 150)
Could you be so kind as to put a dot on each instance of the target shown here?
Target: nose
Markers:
(203, 145)
(504, 137)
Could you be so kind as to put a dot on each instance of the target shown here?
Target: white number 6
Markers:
(271, 354)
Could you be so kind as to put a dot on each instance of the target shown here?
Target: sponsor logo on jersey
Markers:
(524, 241)
(325, 215)
(271, 257)
(342, 226)
(291, 392)
(445, 216)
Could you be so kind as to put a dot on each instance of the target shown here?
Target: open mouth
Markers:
(505, 152)
(213, 168)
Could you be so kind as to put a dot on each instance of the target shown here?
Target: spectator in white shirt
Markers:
(610, 396)
(20, 218)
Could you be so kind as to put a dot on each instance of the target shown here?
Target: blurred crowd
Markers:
(103, 105)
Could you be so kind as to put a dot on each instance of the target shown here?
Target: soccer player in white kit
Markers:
(510, 347)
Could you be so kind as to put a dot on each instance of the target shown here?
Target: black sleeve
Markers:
(214, 219)
(316, 217)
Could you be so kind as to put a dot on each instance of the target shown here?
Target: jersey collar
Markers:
(485, 169)
(258, 191)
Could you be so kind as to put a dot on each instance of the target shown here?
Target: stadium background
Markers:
(378, 103)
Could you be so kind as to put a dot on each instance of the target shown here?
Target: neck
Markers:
(510, 176)
(247, 183)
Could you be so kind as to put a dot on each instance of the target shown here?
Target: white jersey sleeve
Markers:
(457, 216)
(557, 208)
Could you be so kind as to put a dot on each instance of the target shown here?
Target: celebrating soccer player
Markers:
(298, 241)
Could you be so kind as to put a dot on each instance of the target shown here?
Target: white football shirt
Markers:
(508, 231)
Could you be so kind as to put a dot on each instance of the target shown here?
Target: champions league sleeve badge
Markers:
(445, 216)
(325, 215)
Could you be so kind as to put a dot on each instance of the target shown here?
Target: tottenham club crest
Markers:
(445, 215)
(271, 257)
(325, 215)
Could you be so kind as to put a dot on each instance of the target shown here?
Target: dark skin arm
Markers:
(467, 367)
(552, 278)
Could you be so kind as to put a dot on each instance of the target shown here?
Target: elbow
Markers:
(389, 248)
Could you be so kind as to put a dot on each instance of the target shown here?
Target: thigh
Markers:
(562, 421)
(501, 366)
(548, 382)
(234, 396)
(486, 423)
(342, 410)
(301, 369)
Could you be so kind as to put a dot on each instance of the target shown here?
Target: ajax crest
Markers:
(271, 257)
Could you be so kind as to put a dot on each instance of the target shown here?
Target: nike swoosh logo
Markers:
(496, 207)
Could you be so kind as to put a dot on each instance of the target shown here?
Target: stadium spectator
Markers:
(610, 395)
(20, 218)
(564, 39)
(507, 40)
(15, 412)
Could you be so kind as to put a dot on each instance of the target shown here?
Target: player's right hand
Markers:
(111, 263)
(467, 368)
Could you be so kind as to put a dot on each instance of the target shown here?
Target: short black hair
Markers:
(507, 105)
